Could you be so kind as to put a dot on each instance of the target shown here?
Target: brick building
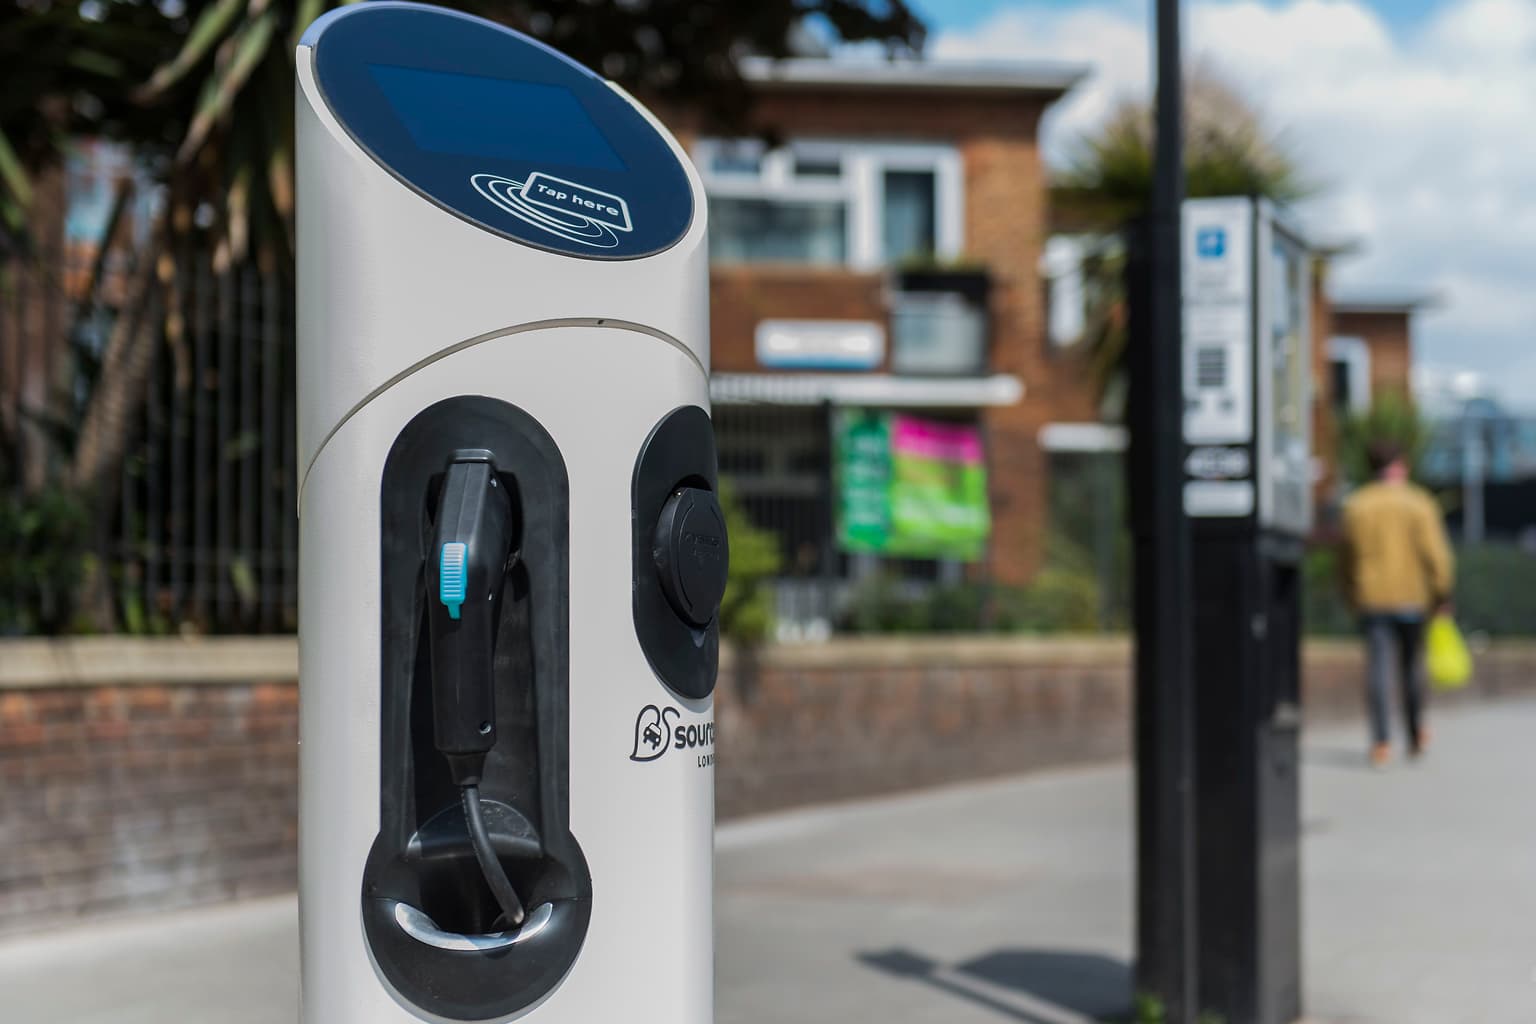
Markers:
(886, 254)
(1370, 346)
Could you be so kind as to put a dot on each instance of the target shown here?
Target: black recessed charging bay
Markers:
(680, 552)
(422, 856)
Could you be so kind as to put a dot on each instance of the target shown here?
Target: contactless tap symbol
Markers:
(569, 209)
(653, 732)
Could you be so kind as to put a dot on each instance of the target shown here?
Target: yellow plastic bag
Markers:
(1446, 655)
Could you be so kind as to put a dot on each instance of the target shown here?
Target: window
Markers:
(857, 204)
(825, 166)
(1350, 374)
(1082, 274)
(938, 333)
(778, 231)
(909, 215)
(740, 159)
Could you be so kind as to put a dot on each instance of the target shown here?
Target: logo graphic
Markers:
(656, 733)
(1211, 243)
(568, 209)
(653, 732)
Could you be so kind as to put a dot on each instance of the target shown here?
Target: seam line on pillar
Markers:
(538, 325)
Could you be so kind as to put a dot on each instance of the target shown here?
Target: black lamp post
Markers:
(1166, 967)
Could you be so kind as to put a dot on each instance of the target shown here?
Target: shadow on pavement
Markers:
(1057, 986)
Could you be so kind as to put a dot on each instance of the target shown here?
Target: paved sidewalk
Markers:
(994, 903)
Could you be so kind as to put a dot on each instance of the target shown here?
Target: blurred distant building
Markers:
(1477, 448)
(1365, 352)
(1482, 451)
(1370, 346)
(1507, 442)
(893, 250)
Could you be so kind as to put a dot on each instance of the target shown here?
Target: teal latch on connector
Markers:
(451, 582)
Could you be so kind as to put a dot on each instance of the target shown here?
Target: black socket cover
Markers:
(691, 553)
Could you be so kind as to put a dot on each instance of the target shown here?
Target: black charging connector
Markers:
(471, 552)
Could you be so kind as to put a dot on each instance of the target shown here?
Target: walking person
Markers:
(1398, 570)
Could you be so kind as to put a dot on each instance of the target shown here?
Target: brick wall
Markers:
(859, 717)
(120, 791)
(120, 797)
(740, 297)
(146, 775)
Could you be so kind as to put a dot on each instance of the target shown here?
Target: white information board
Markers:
(1218, 321)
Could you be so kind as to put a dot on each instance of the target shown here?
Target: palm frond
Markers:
(211, 28)
(14, 176)
(246, 49)
(1227, 151)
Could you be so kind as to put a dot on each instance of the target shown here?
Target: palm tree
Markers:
(1107, 185)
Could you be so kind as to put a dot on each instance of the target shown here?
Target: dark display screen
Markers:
(501, 130)
(500, 118)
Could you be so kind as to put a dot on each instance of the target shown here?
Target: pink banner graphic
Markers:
(944, 442)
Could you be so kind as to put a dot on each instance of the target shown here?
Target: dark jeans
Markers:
(1394, 641)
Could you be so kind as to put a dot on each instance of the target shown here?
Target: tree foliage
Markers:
(1228, 151)
(746, 610)
(1392, 418)
(46, 552)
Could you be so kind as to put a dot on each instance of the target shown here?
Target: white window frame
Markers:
(1066, 304)
(861, 188)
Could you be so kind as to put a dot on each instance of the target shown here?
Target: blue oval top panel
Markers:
(501, 130)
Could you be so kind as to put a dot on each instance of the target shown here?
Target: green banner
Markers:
(909, 487)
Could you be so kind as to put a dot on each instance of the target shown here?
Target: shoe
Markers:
(1381, 755)
(1420, 743)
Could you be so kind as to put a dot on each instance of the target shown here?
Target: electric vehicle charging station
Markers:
(1248, 493)
(512, 553)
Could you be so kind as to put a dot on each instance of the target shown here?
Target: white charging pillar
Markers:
(502, 280)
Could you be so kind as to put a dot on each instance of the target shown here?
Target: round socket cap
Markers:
(691, 554)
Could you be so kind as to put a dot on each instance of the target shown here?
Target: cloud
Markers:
(1424, 143)
(1109, 37)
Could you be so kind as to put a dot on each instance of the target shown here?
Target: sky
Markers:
(1416, 117)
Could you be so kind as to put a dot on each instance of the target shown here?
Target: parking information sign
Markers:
(1218, 354)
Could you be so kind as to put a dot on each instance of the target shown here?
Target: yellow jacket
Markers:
(1395, 557)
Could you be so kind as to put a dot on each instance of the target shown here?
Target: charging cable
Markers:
(490, 865)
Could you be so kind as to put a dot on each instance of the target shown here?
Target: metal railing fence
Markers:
(194, 528)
